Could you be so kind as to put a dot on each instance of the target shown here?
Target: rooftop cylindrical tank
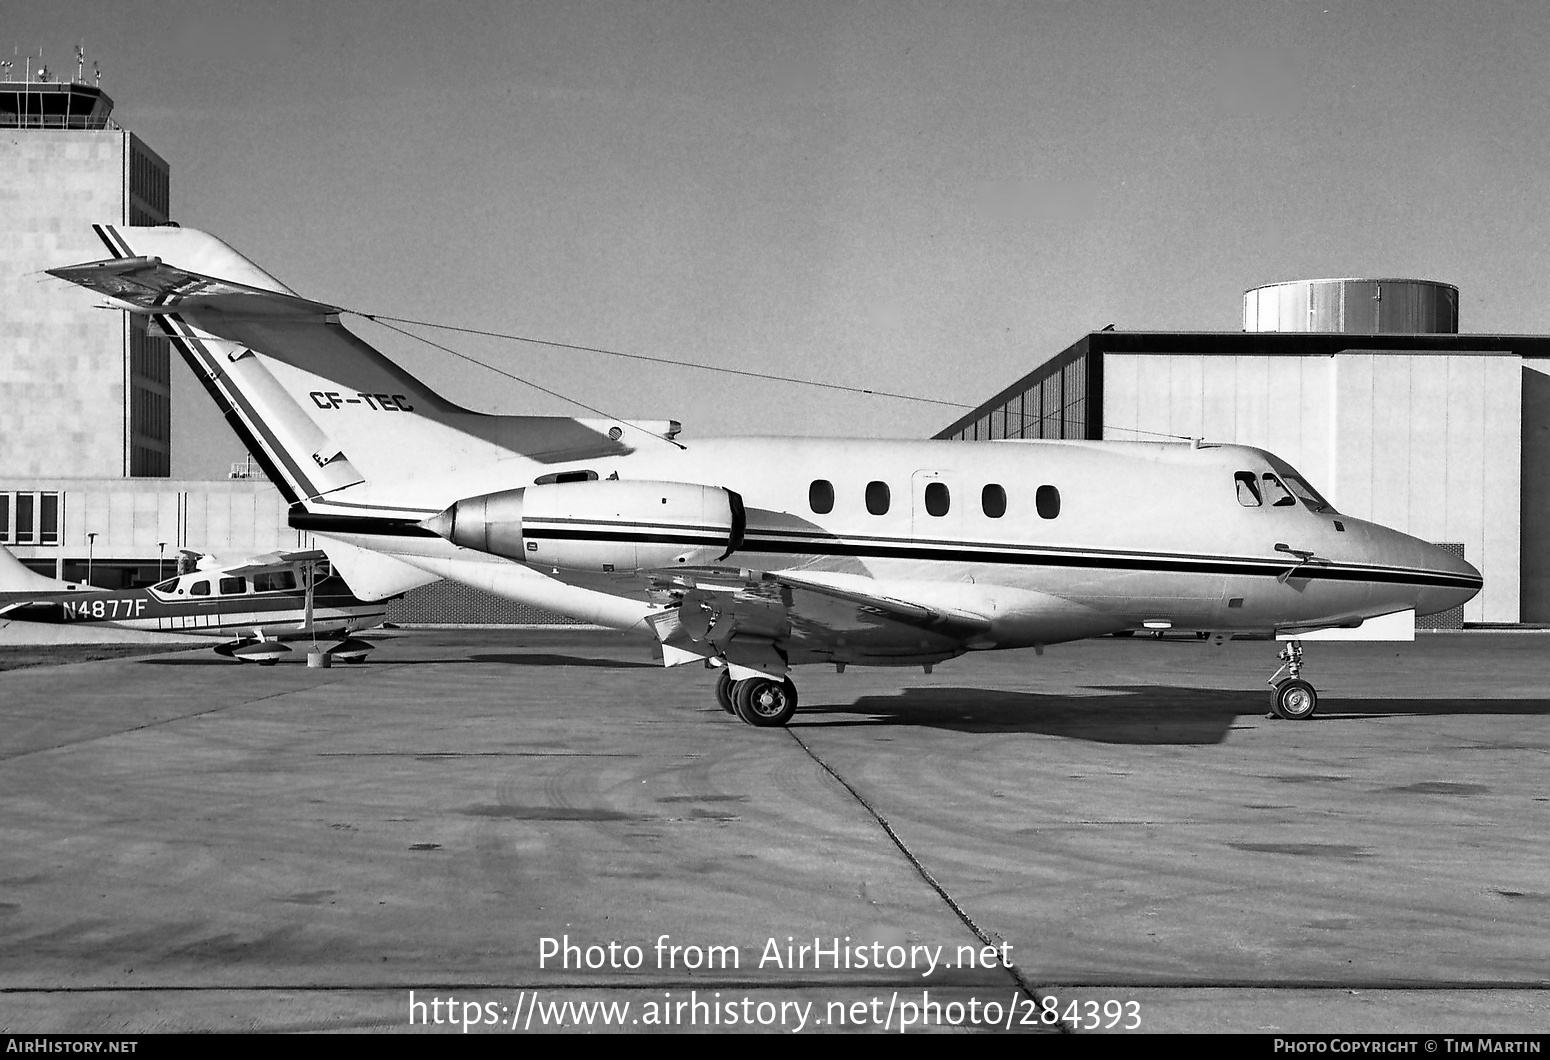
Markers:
(1354, 306)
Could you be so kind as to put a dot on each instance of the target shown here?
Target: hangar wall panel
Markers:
(1535, 539)
(1427, 444)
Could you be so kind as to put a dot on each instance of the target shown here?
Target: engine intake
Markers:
(600, 526)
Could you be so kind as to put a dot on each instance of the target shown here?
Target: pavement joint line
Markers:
(156, 724)
(1028, 989)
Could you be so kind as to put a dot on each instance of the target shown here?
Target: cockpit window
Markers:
(1248, 489)
(200, 588)
(1280, 496)
(1308, 495)
(167, 586)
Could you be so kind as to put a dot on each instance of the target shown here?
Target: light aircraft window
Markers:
(1248, 490)
(938, 500)
(1307, 494)
(234, 586)
(877, 498)
(274, 581)
(993, 501)
(1280, 496)
(820, 496)
(1047, 501)
(199, 589)
(166, 586)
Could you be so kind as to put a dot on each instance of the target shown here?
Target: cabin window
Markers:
(1047, 501)
(274, 581)
(820, 496)
(234, 586)
(1280, 496)
(1248, 489)
(877, 498)
(199, 589)
(937, 499)
(993, 501)
(166, 586)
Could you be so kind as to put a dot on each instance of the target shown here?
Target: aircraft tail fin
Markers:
(16, 576)
(345, 433)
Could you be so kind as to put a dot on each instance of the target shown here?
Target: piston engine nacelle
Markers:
(601, 525)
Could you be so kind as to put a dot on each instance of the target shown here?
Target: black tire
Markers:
(1296, 699)
(724, 691)
(765, 703)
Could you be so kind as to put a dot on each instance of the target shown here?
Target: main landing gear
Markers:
(759, 701)
(1295, 699)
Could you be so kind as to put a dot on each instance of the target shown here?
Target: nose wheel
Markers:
(1295, 699)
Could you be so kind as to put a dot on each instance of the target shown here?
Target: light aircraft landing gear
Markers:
(1295, 699)
(724, 691)
(763, 702)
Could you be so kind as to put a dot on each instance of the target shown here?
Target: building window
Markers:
(820, 496)
(26, 508)
(1047, 501)
(937, 499)
(29, 518)
(877, 498)
(993, 501)
(48, 518)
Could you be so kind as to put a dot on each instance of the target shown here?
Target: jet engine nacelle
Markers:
(601, 525)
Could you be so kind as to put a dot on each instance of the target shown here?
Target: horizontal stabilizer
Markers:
(149, 285)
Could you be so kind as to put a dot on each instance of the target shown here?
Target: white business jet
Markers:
(756, 555)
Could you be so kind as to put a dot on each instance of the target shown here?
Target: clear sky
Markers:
(927, 197)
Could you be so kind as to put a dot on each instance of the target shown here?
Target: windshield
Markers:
(1307, 494)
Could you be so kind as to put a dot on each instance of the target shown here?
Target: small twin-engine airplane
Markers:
(757, 555)
(261, 602)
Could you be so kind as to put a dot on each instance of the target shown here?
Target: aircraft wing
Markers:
(758, 621)
(276, 561)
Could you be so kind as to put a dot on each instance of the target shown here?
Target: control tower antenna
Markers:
(80, 61)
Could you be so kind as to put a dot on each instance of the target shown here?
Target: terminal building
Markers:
(1365, 386)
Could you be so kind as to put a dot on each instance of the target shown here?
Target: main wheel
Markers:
(1296, 699)
(765, 703)
(724, 691)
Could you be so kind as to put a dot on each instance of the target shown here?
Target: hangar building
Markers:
(1364, 385)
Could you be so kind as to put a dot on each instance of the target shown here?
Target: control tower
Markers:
(86, 391)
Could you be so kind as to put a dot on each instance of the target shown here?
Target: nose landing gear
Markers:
(1295, 699)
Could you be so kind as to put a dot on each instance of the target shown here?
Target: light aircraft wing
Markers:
(276, 561)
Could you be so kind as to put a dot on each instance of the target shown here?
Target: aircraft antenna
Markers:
(661, 360)
(512, 375)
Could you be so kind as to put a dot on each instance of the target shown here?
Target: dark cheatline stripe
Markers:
(1022, 558)
(269, 451)
(300, 519)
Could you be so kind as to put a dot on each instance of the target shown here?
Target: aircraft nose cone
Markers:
(1455, 581)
